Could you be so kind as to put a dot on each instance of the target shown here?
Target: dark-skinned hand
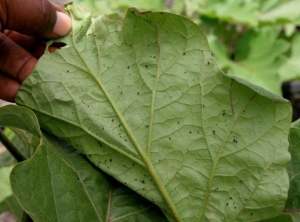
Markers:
(25, 25)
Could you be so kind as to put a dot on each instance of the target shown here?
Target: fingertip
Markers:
(8, 88)
(63, 24)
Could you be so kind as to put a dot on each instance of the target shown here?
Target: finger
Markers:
(31, 44)
(8, 88)
(34, 17)
(15, 61)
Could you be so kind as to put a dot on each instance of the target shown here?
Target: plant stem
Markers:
(11, 148)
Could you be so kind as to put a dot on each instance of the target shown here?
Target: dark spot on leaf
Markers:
(190, 132)
(138, 93)
(143, 181)
(226, 204)
(147, 126)
(127, 67)
(146, 66)
(112, 120)
(214, 132)
(110, 160)
(170, 138)
(161, 13)
(230, 198)
(183, 53)
(133, 164)
(251, 214)
(208, 63)
(67, 70)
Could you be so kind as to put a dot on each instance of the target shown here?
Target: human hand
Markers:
(24, 24)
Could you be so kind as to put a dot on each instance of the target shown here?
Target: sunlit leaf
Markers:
(285, 12)
(245, 12)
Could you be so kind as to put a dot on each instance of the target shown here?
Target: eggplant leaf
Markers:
(59, 184)
(293, 168)
(145, 101)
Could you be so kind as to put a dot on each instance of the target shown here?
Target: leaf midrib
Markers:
(148, 164)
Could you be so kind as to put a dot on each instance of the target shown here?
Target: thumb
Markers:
(34, 17)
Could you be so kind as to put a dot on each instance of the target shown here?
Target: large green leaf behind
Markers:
(59, 184)
(145, 101)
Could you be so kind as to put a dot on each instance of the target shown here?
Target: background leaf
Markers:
(293, 168)
(291, 69)
(231, 10)
(58, 183)
(8, 202)
(144, 100)
(258, 58)
(285, 12)
(285, 217)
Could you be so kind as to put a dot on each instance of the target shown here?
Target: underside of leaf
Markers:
(145, 101)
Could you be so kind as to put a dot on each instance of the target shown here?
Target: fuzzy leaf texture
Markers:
(145, 101)
(59, 184)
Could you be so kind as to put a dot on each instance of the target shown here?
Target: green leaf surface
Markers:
(285, 217)
(59, 184)
(284, 13)
(145, 101)
(245, 12)
(291, 69)
(293, 168)
(8, 202)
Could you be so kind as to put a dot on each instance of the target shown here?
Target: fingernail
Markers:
(63, 24)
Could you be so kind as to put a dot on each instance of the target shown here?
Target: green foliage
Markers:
(7, 201)
(291, 69)
(237, 28)
(146, 103)
(293, 201)
(66, 187)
